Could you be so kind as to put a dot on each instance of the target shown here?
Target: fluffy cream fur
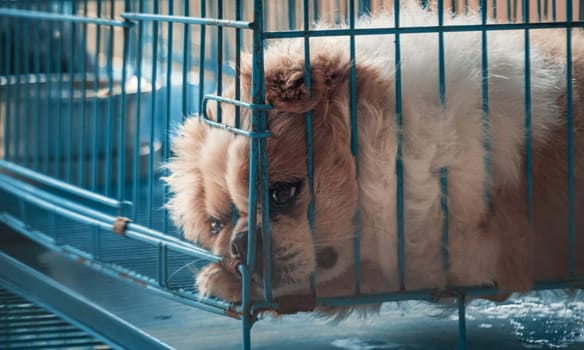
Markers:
(488, 245)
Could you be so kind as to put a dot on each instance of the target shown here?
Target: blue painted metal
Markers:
(59, 17)
(96, 111)
(168, 112)
(82, 146)
(291, 14)
(187, 61)
(238, 49)
(258, 181)
(151, 138)
(69, 123)
(16, 111)
(486, 119)
(186, 20)
(137, 122)
(219, 62)
(309, 135)
(354, 137)
(528, 148)
(91, 216)
(443, 170)
(203, 46)
(570, 139)
(251, 106)
(60, 185)
(109, 122)
(399, 167)
(461, 321)
(420, 30)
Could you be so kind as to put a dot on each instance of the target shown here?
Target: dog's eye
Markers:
(216, 225)
(283, 193)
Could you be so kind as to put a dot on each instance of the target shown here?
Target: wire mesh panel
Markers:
(92, 93)
(25, 325)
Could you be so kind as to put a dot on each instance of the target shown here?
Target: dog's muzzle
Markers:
(239, 251)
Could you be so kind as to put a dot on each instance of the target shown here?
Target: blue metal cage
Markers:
(91, 90)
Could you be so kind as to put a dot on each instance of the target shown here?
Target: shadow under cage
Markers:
(93, 92)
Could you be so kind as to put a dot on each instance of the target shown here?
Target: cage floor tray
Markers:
(24, 325)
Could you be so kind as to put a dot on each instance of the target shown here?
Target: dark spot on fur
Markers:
(326, 257)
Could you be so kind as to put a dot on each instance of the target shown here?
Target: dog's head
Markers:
(210, 177)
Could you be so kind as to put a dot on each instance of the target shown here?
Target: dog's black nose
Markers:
(239, 248)
(239, 245)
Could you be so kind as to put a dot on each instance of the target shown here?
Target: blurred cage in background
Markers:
(90, 92)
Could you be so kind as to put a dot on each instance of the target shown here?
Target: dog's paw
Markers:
(214, 280)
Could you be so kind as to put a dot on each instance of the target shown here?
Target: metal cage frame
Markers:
(39, 196)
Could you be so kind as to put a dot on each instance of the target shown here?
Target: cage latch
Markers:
(121, 224)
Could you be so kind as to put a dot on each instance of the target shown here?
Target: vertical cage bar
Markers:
(16, 48)
(69, 129)
(37, 103)
(238, 48)
(315, 11)
(570, 139)
(107, 183)
(399, 170)
(528, 155)
(96, 246)
(47, 103)
(122, 117)
(355, 138)
(168, 114)
(365, 6)
(162, 265)
(59, 132)
(219, 70)
(26, 99)
(202, 43)
(443, 170)
(309, 134)
(291, 14)
(258, 181)
(494, 9)
(509, 11)
(22, 209)
(83, 121)
(186, 61)
(96, 112)
(259, 123)
(7, 68)
(151, 137)
(485, 106)
(138, 117)
(247, 319)
(460, 301)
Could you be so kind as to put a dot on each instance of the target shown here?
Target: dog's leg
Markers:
(215, 280)
(509, 221)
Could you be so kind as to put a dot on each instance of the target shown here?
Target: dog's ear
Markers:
(287, 84)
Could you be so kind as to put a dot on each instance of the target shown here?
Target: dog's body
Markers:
(490, 242)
